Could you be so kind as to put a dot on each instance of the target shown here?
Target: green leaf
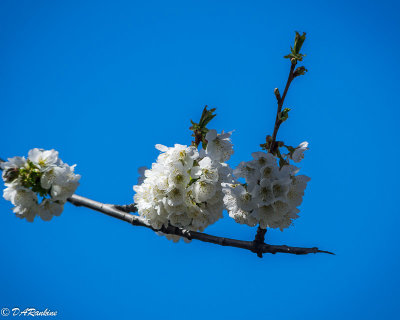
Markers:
(298, 42)
(295, 50)
(199, 129)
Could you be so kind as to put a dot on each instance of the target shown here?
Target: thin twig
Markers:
(280, 101)
(260, 235)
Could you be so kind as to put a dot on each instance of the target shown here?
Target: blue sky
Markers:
(103, 82)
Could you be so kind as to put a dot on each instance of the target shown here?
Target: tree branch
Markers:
(126, 208)
(122, 213)
(112, 211)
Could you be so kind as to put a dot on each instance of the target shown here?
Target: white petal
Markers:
(161, 148)
(203, 191)
(195, 172)
(211, 135)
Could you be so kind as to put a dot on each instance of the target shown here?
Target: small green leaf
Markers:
(284, 114)
(295, 50)
(199, 129)
(298, 42)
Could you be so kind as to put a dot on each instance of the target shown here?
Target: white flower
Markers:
(239, 197)
(24, 200)
(65, 183)
(263, 192)
(20, 196)
(298, 153)
(266, 215)
(219, 146)
(44, 158)
(225, 173)
(12, 163)
(246, 171)
(183, 188)
(180, 220)
(208, 170)
(43, 175)
(175, 196)
(296, 190)
(26, 213)
(280, 188)
(236, 197)
(287, 170)
(203, 190)
(11, 168)
(270, 196)
(178, 176)
(262, 159)
(48, 209)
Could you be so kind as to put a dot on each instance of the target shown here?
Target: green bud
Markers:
(284, 114)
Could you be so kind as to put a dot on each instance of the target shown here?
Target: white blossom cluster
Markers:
(270, 196)
(183, 188)
(42, 175)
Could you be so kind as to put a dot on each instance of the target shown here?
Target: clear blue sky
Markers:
(104, 81)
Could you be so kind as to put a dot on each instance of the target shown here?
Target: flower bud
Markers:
(277, 94)
(299, 71)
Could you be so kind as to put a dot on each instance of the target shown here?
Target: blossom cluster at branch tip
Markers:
(38, 185)
(271, 194)
(183, 188)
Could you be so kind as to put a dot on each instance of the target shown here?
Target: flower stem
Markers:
(260, 235)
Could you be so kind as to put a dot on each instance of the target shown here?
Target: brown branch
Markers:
(112, 211)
